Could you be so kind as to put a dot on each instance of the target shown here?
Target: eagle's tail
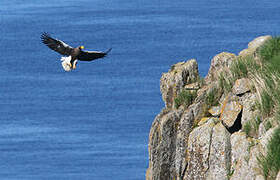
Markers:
(66, 63)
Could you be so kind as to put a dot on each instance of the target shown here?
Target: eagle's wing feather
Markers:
(92, 55)
(56, 45)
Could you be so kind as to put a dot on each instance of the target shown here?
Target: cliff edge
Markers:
(221, 126)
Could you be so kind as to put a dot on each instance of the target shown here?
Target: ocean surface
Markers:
(94, 122)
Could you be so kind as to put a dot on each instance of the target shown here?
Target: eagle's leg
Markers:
(75, 64)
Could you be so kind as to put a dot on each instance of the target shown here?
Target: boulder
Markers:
(172, 82)
(220, 63)
(230, 110)
(241, 86)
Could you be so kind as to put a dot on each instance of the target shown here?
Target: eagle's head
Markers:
(81, 47)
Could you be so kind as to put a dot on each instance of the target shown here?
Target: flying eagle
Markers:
(73, 54)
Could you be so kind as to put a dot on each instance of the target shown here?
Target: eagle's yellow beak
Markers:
(82, 47)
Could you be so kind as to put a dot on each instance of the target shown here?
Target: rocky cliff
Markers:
(210, 128)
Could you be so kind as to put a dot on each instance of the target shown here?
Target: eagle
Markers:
(72, 54)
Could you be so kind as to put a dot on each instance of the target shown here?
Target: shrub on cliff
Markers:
(186, 97)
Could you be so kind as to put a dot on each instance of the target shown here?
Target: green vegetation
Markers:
(270, 162)
(270, 49)
(251, 127)
(267, 125)
(224, 83)
(244, 67)
(247, 128)
(186, 97)
(239, 68)
(212, 97)
(267, 103)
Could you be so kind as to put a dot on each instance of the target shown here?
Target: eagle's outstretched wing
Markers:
(56, 45)
(92, 55)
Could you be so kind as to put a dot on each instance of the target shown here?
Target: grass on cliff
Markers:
(264, 72)
(244, 67)
(225, 83)
(270, 162)
(267, 81)
(185, 97)
(270, 49)
(212, 97)
(251, 127)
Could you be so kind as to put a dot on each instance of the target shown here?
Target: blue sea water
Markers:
(93, 122)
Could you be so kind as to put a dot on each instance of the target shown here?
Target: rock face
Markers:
(172, 82)
(220, 153)
(198, 151)
(219, 64)
(204, 141)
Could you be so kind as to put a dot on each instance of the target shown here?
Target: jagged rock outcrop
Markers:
(176, 78)
(219, 64)
(203, 139)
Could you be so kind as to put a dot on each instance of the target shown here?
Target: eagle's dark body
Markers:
(75, 53)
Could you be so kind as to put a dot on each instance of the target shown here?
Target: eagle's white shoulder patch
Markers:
(65, 62)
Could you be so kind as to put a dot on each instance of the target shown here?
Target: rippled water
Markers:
(93, 123)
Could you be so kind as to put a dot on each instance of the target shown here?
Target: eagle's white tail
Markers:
(65, 61)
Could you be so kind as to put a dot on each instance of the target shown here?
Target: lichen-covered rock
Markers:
(172, 82)
(249, 112)
(198, 151)
(220, 63)
(254, 45)
(230, 110)
(184, 129)
(185, 146)
(215, 111)
(261, 130)
(240, 147)
(220, 148)
(242, 171)
(239, 144)
(252, 167)
(162, 145)
(241, 86)
(168, 143)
